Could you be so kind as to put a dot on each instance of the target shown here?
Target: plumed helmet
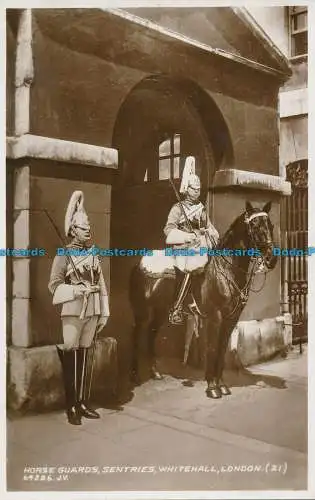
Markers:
(76, 214)
(189, 177)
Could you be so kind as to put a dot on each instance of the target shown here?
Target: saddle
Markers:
(158, 265)
(161, 265)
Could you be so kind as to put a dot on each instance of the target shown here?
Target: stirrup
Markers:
(176, 317)
(194, 309)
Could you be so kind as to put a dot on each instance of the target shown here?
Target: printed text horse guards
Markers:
(224, 288)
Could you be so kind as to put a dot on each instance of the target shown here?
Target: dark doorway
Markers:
(158, 126)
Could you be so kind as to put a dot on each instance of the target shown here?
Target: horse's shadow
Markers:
(236, 377)
(244, 377)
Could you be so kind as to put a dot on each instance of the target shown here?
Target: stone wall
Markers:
(77, 95)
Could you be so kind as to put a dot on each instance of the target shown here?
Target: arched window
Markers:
(169, 158)
(169, 161)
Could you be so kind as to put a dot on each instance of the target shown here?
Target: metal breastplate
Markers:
(194, 215)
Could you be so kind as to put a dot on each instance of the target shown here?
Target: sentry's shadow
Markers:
(115, 400)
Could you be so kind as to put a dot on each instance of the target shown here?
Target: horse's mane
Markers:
(230, 231)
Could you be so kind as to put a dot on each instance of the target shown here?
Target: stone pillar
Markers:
(21, 321)
(24, 72)
(34, 372)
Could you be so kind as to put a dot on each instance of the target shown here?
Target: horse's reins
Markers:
(267, 244)
(244, 292)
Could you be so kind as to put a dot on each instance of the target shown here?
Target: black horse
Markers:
(224, 287)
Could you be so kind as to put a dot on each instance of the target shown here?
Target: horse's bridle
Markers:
(247, 220)
(244, 292)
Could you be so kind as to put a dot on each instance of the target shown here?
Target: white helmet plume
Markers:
(189, 176)
(75, 207)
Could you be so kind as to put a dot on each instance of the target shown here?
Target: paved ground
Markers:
(170, 436)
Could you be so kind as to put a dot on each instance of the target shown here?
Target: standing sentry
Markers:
(77, 282)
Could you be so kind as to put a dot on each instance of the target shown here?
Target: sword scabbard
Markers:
(84, 306)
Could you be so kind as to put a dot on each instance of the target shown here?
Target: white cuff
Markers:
(176, 236)
(63, 293)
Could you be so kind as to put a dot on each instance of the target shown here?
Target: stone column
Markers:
(34, 380)
(24, 72)
(21, 331)
(34, 373)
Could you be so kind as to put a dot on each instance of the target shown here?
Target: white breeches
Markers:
(78, 332)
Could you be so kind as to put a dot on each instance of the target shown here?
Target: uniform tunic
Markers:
(62, 284)
(197, 215)
(63, 280)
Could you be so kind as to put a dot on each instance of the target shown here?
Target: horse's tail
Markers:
(133, 279)
(136, 290)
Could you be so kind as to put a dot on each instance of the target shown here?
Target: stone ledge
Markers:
(35, 377)
(251, 180)
(255, 341)
(47, 148)
(293, 102)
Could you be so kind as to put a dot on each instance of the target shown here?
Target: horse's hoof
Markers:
(135, 380)
(156, 375)
(188, 383)
(214, 393)
(225, 391)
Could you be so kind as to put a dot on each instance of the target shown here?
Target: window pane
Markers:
(299, 21)
(176, 144)
(164, 169)
(165, 148)
(297, 10)
(299, 44)
(176, 167)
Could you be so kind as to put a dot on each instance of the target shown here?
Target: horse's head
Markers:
(259, 232)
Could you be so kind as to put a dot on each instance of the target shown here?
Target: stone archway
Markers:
(155, 111)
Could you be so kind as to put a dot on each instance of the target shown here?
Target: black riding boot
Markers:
(85, 374)
(176, 316)
(68, 360)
